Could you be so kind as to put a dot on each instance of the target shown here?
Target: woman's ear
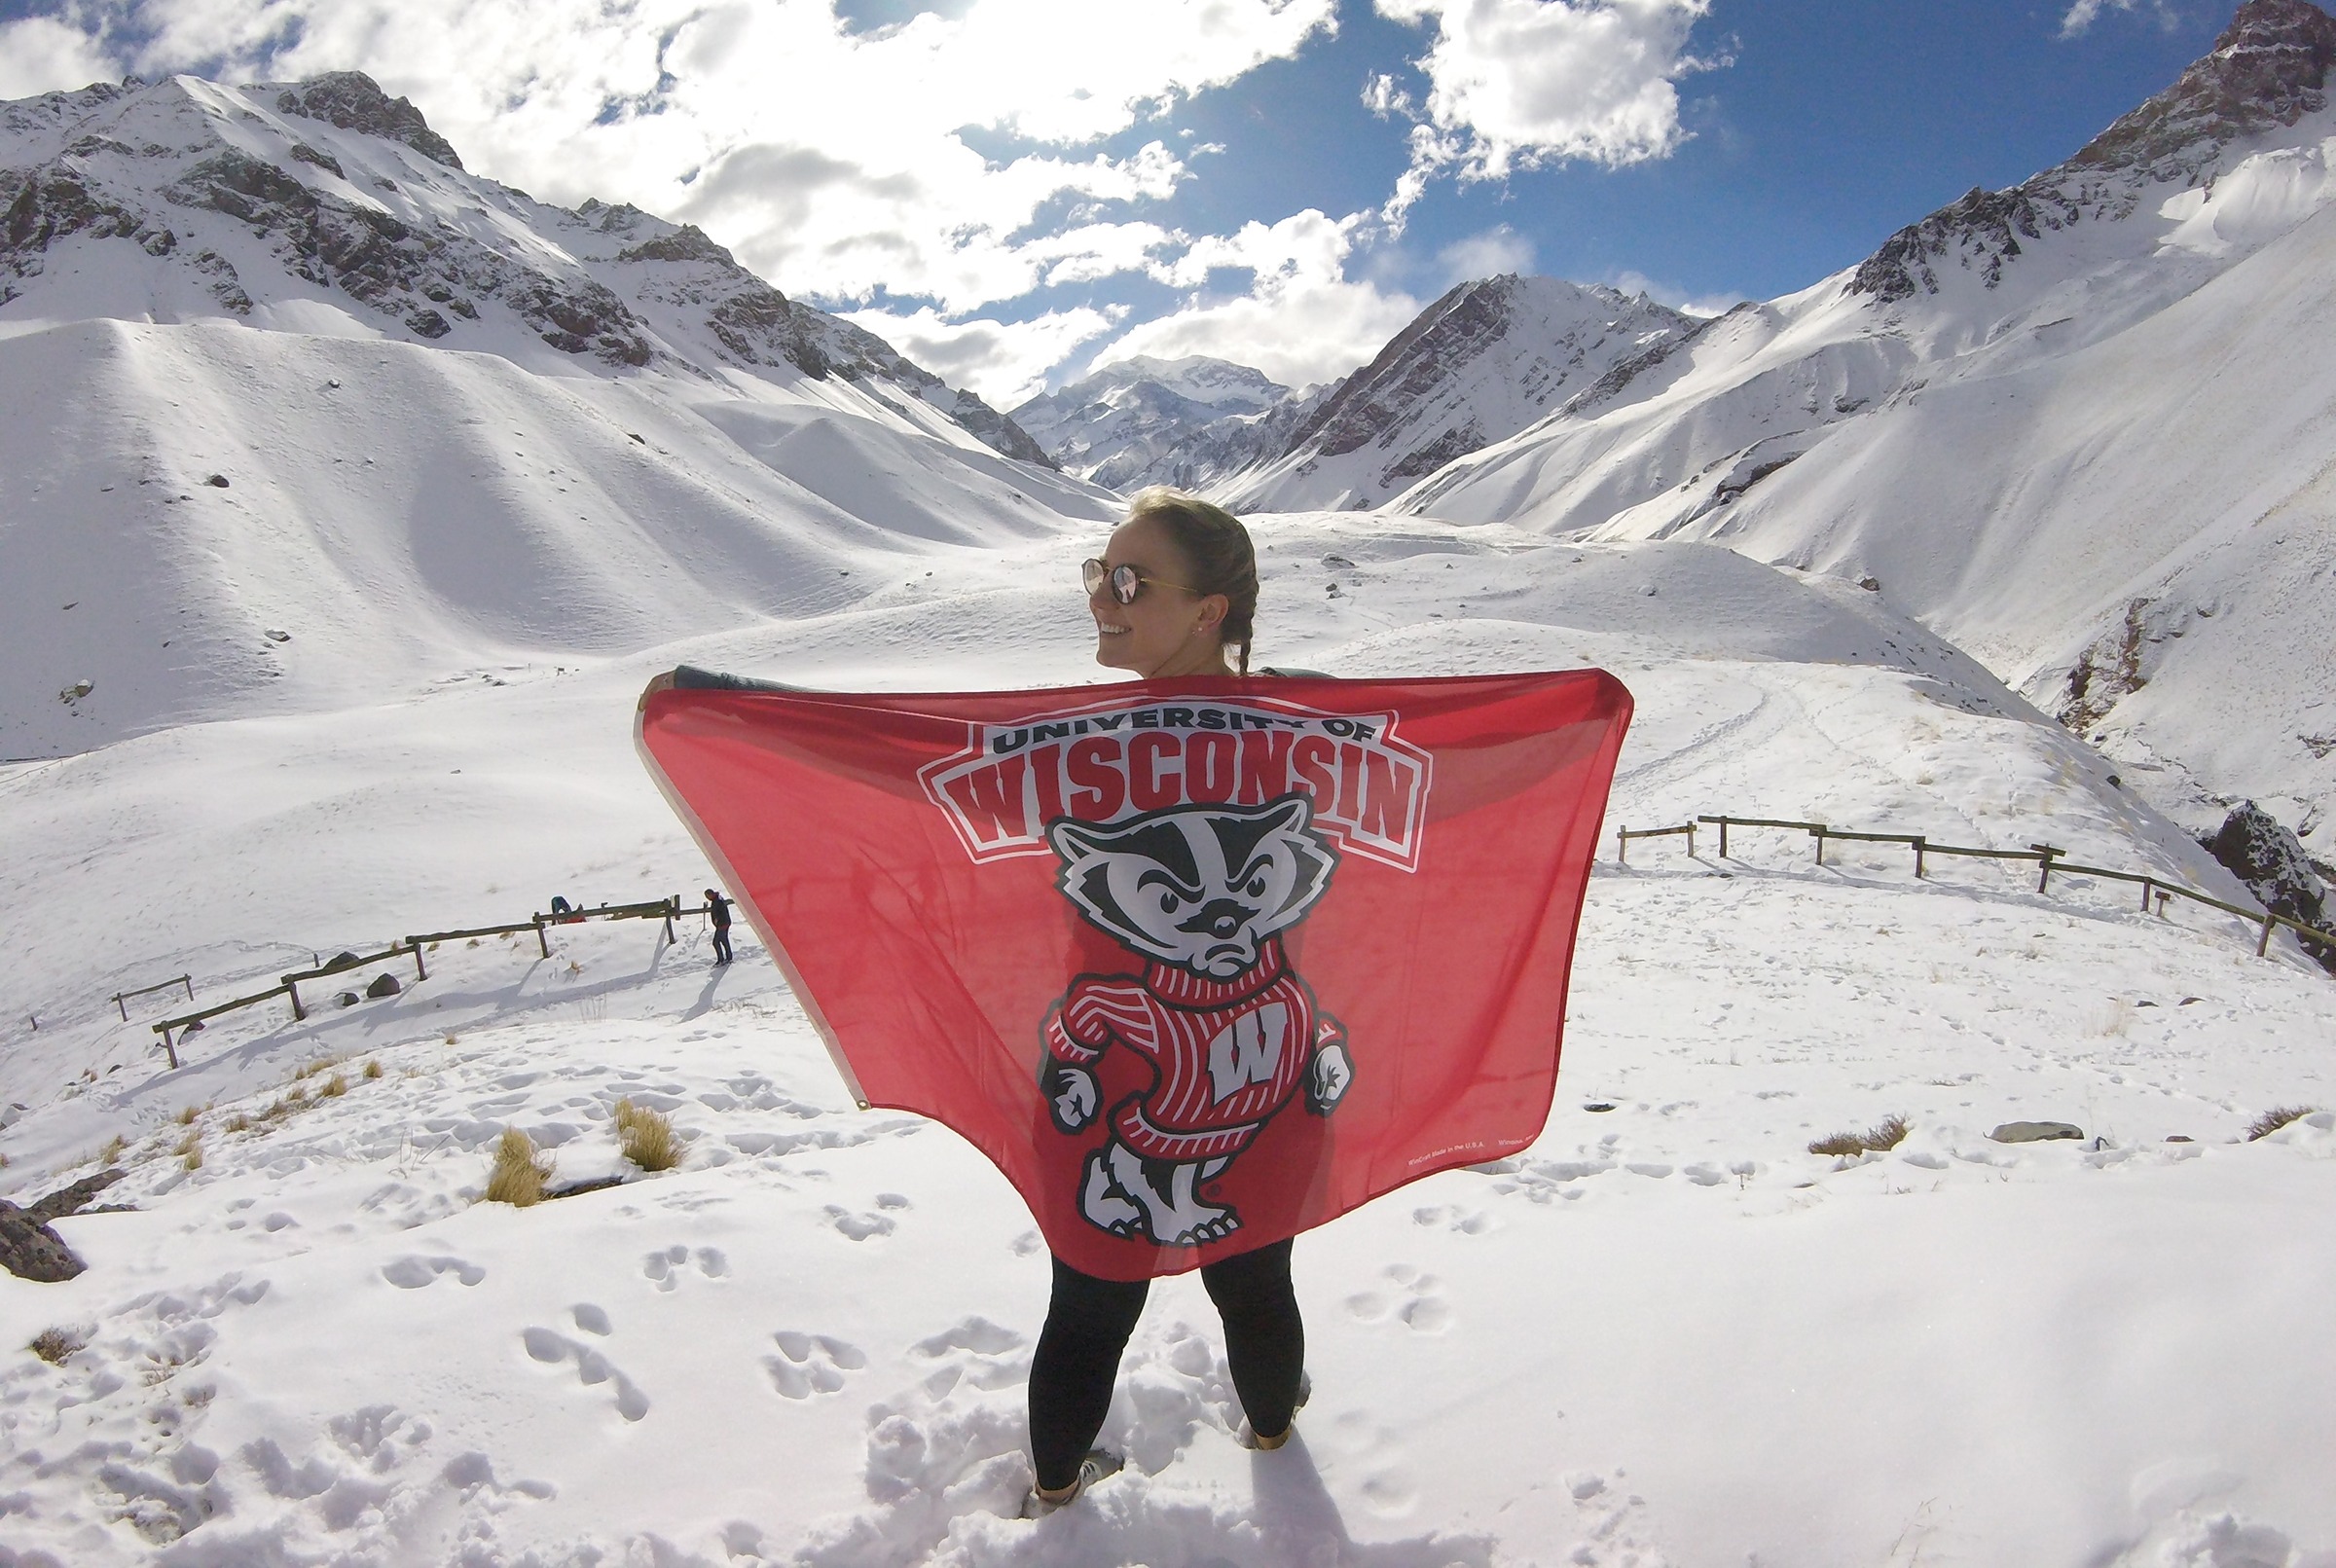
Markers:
(1212, 610)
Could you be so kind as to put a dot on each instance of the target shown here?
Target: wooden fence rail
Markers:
(666, 910)
(2049, 859)
(120, 999)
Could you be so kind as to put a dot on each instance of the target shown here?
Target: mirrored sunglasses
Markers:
(1126, 581)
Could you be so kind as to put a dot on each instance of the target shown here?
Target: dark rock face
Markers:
(2271, 860)
(353, 102)
(2268, 69)
(31, 1251)
(73, 1199)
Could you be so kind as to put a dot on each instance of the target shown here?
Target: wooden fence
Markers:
(289, 986)
(2049, 860)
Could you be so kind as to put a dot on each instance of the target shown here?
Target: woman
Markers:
(1175, 587)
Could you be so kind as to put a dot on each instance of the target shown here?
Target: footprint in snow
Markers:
(666, 1266)
(808, 1364)
(1412, 1299)
(592, 1369)
(413, 1272)
(1452, 1217)
(859, 1226)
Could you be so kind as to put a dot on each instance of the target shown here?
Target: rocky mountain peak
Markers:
(2268, 70)
(1483, 362)
(353, 102)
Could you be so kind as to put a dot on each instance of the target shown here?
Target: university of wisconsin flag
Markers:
(1198, 964)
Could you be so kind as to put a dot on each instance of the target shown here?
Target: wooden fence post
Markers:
(169, 1051)
(1922, 843)
(540, 942)
(1621, 844)
(1818, 833)
(1723, 838)
(188, 980)
(124, 1006)
(2149, 887)
(2263, 946)
(2045, 855)
(292, 990)
(420, 974)
(1690, 841)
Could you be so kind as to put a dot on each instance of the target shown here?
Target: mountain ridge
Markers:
(426, 248)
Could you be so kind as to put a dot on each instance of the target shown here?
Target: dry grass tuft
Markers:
(333, 1088)
(189, 1153)
(372, 1070)
(238, 1122)
(2270, 1121)
(2113, 1020)
(56, 1345)
(322, 1064)
(519, 1172)
(188, 1113)
(1887, 1133)
(112, 1150)
(648, 1137)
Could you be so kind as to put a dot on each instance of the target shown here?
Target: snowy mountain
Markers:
(260, 211)
(2080, 427)
(249, 330)
(1185, 422)
(1480, 364)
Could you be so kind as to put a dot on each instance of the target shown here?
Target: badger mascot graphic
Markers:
(1202, 894)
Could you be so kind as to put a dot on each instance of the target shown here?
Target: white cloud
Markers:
(1516, 83)
(1494, 251)
(2082, 15)
(42, 54)
(830, 161)
(1006, 363)
(1301, 320)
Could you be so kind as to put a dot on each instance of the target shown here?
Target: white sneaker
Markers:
(1097, 1464)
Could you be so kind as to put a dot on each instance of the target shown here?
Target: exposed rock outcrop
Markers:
(2268, 69)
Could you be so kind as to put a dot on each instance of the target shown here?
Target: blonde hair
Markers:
(1219, 558)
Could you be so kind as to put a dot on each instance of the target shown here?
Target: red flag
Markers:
(1198, 964)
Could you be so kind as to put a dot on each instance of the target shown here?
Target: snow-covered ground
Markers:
(1668, 1334)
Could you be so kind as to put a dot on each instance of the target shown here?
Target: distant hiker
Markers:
(561, 906)
(1175, 587)
(717, 909)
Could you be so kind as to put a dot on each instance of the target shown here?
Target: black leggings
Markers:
(1087, 1326)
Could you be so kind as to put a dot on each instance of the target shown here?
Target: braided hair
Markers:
(1219, 558)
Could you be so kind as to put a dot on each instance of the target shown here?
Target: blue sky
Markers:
(1013, 190)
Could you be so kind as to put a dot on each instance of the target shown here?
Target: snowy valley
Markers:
(379, 678)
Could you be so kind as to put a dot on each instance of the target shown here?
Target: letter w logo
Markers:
(1249, 1051)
